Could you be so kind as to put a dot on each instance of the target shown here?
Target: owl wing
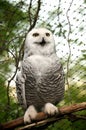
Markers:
(25, 82)
(20, 89)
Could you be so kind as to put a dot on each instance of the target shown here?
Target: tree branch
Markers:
(43, 119)
(69, 47)
(73, 117)
(29, 12)
(36, 15)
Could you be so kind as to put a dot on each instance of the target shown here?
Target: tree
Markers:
(66, 20)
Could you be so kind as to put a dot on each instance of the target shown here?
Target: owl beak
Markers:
(43, 42)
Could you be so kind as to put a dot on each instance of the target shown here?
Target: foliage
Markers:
(65, 124)
(10, 16)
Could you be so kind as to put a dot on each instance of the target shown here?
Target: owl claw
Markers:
(30, 114)
(50, 109)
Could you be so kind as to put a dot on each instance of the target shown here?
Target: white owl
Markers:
(40, 82)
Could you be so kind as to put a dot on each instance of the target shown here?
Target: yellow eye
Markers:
(47, 34)
(35, 34)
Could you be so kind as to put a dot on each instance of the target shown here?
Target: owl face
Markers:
(39, 41)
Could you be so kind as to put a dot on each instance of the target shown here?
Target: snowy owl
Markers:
(40, 81)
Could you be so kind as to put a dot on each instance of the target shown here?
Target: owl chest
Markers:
(37, 73)
(39, 68)
(40, 64)
(43, 81)
(40, 78)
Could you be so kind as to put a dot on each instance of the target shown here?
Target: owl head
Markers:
(39, 41)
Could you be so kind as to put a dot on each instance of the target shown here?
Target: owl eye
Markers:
(35, 34)
(47, 34)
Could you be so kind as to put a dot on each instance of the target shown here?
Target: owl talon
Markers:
(50, 109)
(30, 114)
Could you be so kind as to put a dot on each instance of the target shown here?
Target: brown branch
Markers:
(36, 15)
(29, 12)
(43, 119)
(13, 76)
(75, 117)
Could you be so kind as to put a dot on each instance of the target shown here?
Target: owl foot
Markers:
(50, 109)
(30, 114)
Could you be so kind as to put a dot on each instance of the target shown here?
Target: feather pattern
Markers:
(44, 80)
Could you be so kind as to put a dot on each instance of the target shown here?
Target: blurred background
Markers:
(67, 21)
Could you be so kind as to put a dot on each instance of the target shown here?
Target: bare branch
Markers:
(36, 15)
(29, 12)
(42, 118)
(73, 117)
(68, 41)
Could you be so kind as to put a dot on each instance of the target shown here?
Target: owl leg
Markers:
(50, 109)
(30, 114)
